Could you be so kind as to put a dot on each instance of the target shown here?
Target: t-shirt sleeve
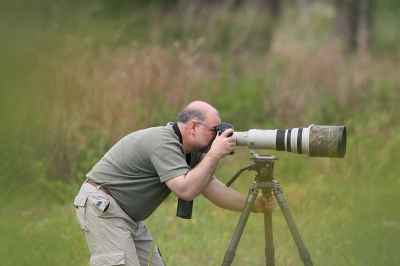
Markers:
(169, 161)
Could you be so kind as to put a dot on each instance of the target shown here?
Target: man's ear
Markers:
(192, 126)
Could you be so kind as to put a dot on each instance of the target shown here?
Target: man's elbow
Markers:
(186, 197)
(181, 189)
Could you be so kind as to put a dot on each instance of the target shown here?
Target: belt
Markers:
(97, 185)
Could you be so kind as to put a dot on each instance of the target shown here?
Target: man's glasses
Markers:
(221, 128)
(213, 129)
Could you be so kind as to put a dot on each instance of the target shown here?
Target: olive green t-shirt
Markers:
(134, 169)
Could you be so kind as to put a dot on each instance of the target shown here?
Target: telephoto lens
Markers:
(315, 141)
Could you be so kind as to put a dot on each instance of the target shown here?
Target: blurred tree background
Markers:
(76, 76)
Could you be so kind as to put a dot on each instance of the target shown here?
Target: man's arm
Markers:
(188, 186)
(228, 198)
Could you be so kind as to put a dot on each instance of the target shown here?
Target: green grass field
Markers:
(345, 217)
(75, 77)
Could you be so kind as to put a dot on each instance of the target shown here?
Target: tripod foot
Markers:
(305, 257)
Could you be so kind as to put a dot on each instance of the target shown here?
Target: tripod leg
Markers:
(231, 252)
(303, 251)
(269, 239)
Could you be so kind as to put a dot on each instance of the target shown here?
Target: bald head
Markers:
(198, 111)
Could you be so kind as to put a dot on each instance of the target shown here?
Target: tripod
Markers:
(264, 180)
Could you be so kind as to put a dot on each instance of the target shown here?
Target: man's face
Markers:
(206, 134)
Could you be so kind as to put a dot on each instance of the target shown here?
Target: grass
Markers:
(41, 236)
(343, 218)
(76, 78)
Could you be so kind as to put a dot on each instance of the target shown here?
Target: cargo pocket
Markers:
(108, 259)
(80, 204)
(101, 204)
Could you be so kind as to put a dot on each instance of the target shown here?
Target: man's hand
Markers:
(223, 145)
(261, 201)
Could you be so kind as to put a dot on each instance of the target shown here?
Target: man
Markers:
(136, 175)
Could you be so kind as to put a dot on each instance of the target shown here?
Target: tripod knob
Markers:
(263, 172)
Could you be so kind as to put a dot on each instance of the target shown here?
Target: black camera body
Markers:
(221, 128)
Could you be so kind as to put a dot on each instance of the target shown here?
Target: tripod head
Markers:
(263, 165)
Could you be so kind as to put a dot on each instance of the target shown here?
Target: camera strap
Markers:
(184, 208)
(178, 133)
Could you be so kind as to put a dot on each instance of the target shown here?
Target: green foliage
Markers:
(89, 154)
(77, 76)
(239, 93)
(386, 4)
(328, 110)
(385, 29)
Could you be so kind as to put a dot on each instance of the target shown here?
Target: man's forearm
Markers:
(199, 177)
(228, 198)
(224, 197)
(189, 186)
